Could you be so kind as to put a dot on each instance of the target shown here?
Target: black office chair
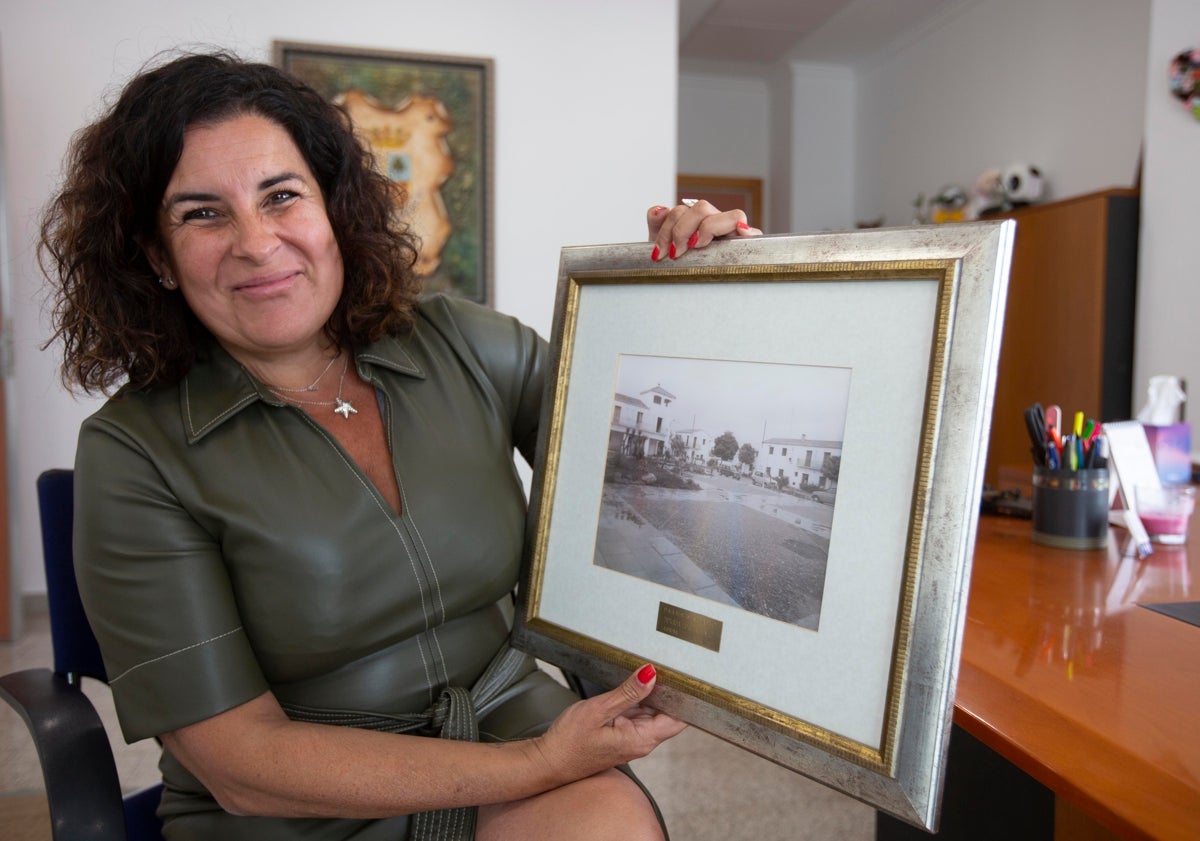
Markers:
(82, 787)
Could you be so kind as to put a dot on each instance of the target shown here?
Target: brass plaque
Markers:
(689, 627)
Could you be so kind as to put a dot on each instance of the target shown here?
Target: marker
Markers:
(1055, 438)
(1054, 418)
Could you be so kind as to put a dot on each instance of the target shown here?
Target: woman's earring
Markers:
(168, 283)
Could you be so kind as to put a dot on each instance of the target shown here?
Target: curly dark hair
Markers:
(115, 321)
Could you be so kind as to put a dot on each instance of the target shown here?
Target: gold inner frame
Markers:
(947, 273)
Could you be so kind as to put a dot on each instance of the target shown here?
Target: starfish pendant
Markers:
(345, 408)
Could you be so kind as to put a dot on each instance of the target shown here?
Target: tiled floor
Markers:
(708, 790)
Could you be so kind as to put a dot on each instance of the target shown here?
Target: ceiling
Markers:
(763, 32)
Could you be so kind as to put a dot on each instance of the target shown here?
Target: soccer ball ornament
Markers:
(1022, 183)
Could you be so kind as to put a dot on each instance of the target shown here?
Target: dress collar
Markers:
(217, 387)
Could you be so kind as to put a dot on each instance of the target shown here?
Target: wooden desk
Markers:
(1066, 677)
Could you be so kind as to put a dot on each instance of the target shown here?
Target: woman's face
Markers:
(245, 233)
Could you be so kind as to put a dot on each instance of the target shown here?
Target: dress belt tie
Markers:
(455, 715)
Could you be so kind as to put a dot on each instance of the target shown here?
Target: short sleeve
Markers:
(156, 591)
(509, 354)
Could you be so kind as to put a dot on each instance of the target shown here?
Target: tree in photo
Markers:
(725, 447)
(831, 468)
(746, 455)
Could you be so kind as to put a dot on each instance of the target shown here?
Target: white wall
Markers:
(822, 147)
(1056, 83)
(743, 125)
(1077, 87)
(734, 145)
(1168, 339)
(585, 142)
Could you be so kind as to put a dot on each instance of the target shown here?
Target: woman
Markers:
(298, 524)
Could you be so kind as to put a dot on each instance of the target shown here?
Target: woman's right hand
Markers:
(604, 731)
(692, 225)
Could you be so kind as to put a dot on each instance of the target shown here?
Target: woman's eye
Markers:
(199, 214)
(282, 196)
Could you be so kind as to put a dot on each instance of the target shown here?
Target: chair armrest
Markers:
(581, 686)
(82, 787)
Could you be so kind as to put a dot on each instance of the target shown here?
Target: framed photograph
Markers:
(428, 119)
(725, 192)
(760, 469)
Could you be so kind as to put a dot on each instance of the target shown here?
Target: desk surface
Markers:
(1067, 677)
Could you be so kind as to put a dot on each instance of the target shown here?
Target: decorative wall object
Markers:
(428, 119)
(1185, 79)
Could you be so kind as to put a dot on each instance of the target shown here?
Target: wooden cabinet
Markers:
(1069, 321)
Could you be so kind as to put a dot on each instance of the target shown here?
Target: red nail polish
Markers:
(654, 255)
(659, 210)
(645, 674)
(743, 226)
(672, 251)
(692, 239)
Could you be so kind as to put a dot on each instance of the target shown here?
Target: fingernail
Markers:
(659, 210)
(672, 251)
(655, 254)
(743, 226)
(645, 674)
(692, 239)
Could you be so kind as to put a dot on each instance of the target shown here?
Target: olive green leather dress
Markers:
(225, 545)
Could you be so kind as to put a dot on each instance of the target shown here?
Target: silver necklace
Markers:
(342, 407)
(311, 386)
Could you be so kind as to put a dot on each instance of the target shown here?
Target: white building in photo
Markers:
(697, 443)
(639, 424)
(799, 460)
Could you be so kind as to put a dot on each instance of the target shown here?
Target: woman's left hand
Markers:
(605, 730)
(674, 230)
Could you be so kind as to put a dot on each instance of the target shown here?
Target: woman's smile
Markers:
(268, 286)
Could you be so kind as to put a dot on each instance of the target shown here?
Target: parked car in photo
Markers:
(760, 479)
(824, 495)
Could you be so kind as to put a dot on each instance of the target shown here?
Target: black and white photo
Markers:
(721, 478)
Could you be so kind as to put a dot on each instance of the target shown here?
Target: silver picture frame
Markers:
(624, 567)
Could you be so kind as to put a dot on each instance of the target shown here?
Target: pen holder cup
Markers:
(1070, 508)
